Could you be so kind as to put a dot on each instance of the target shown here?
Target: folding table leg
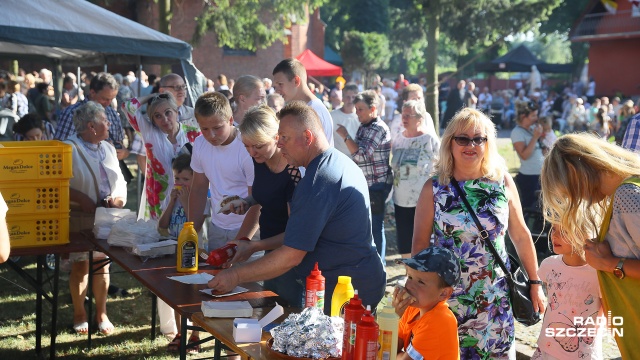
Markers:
(154, 315)
(54, 308)
(89, 294)
(39, 291)
(183, 337)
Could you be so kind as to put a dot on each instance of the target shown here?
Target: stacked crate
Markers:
(34, 182)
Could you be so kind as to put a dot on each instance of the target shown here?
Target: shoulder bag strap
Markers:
(484, 235)
(95, 180)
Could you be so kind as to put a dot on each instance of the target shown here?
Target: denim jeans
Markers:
(376, 192)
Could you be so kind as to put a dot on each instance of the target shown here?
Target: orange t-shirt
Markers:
(433, 336)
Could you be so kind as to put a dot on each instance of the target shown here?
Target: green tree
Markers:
(365, 51)
(473, 22)
(251, 24)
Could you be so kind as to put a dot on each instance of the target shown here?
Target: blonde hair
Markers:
(260, 124)
(570, 179)
(213, 104)
(245, 85)
(493, 165)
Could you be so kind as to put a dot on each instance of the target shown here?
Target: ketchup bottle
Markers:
(315, 289)
(353, 312)
(367, 332)
(222, 254)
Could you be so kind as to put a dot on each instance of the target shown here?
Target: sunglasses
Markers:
(464, 141)
(163, 96)
(176, 87)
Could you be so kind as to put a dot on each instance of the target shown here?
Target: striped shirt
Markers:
(631, 139)
(374, 149)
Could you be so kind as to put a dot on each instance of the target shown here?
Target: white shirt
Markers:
(229, 169)
(350, 122)
(325, 118)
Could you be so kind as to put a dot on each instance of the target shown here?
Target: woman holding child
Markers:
(590, 187)
(480, 301)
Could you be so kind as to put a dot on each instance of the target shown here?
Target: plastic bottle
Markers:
(222, 254)
(366, 337)
(187, 259)
(341, 295)
(314, 289)
(388, 321)
(353, 312)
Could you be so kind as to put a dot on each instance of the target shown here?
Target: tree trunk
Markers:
(433, 35)
(164, 26)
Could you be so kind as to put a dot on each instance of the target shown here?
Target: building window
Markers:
(237, 52)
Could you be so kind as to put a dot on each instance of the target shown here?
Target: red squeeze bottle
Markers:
(353, 312)
(367, 332)
(314, 291)
(222, 254)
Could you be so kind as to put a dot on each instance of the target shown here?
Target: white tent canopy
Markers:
(77, 32)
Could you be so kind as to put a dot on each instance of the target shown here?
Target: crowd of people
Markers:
(314, 169)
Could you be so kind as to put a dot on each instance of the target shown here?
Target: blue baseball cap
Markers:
(436, 259)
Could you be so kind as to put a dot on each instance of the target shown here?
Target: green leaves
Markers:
(366, 51)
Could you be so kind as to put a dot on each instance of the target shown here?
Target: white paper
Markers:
(147, 247)
(236, 290)
(275, 313)
(199, 278)
(228, 309)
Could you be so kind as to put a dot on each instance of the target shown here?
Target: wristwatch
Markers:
(617, 271)
(535, 282)
(347, 137)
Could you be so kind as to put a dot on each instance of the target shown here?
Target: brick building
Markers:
(208, 56)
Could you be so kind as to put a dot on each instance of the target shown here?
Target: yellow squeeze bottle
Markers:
(388, 321)
(341, 295)
(187, 259)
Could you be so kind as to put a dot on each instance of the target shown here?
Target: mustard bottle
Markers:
(187, 252)
(341, 295)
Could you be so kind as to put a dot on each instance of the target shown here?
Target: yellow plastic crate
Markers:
(38, 230)
(35, 160)
(36, 197)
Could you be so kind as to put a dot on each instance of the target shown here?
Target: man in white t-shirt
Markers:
(346, 117)
(222, 165)
(290, 81)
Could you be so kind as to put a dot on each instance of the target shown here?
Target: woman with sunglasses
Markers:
(164, 138)
(469, 156)
(413, 153)
(525, 138)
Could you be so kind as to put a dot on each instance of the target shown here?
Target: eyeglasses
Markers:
(155, 97)
(176, 87)
(464, 141)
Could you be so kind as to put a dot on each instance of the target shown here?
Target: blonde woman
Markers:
(248, 91)
(583, 183)
(469, 155)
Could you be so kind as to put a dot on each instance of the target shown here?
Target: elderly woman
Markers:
(371, 150)
(248, 91)
(525, 138)
(164, 138)
(273, 186)
(97, 181)
(413, 153)
(469, 156)
(590, 186)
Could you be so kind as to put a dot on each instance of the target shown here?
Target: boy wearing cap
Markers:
(428, 329)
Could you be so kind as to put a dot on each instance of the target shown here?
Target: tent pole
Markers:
(139, 76)
(78, 80)
(57, 84)
(139, 184)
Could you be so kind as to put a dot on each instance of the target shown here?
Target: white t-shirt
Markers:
(229, 169)
(574, 301)
(325, 118)
(412, 161)
(350, 122)
(533, 165)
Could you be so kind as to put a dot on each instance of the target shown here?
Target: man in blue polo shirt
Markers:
(330, 221)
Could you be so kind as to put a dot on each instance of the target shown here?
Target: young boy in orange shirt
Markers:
(428, 329)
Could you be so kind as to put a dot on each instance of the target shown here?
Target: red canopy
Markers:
(316, 66)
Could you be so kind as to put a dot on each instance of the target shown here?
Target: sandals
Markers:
(81, 328)
(106, 327)
(174, 345)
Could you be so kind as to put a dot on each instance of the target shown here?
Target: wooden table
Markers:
(77, 243)
(222, 329)
(186, 299)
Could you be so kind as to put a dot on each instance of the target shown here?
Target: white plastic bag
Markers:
(105, 219)
(129, 232)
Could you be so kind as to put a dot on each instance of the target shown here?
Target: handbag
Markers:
(518, 282)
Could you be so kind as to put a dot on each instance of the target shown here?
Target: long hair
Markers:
(570, 178)
(493, 165)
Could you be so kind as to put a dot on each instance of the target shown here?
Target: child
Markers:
(170, 224)
(221, 163)
(548, 136)
(574, 305)
(175, 215)
(428, 329)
